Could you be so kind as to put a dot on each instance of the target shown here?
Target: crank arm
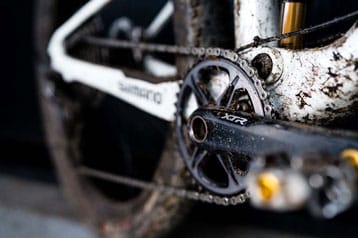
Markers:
(295, 165)
(222, 130)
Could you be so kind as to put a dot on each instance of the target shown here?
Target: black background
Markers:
(21, 136)
(19, 109)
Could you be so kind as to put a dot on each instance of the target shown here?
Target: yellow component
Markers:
(293, 15)
(268, 185)
(351, 155)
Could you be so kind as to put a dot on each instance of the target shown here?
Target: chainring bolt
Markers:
(263, 63)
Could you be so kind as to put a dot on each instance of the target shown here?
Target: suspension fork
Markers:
(293, 14)
(262, 18)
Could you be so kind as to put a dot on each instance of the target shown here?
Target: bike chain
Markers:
(166, 189)
(201, 53)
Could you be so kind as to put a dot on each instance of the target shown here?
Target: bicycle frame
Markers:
(110, 80)
(308, 85)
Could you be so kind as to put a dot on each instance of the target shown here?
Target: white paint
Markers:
(122, 24)
(306, 72)
(108, 80)
(159, 68)
(161, 19)
(255, 18)
(302, 72)
(218, 84)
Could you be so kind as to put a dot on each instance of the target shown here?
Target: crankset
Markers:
(294, 164)
(235, 132)
(230, 143)
(225, 133)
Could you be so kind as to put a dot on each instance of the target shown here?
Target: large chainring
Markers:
(218, 82)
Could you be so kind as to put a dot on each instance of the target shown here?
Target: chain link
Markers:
(165, 189)
(261, 41)
(162, 48)
(199, 52)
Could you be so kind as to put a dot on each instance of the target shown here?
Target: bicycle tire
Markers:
(150, 214)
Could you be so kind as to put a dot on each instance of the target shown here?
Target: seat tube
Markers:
(256, 18)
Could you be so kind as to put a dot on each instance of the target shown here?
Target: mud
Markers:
(301, 99)
(263, 64)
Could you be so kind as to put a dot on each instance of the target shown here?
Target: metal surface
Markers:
(292, 19)
(166, 189)
(242, 92)
(291, 192)
(325, 184)
(110, 80)
(316, 86)
(351, 155)
(255, 18)
(72, 69)
(304, 159)
(236, 132)
(257, 41)
(159, 68)
(106, 79)
(160, 21)
(232, 131)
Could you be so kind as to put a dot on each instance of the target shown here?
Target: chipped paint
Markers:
(317, 85)
(255, 18)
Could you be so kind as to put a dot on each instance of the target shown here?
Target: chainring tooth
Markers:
(250, 74)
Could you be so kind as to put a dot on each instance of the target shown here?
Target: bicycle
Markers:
(117, 85)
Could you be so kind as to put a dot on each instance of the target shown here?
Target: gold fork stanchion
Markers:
(293, 14)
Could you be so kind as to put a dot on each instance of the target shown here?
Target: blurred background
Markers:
(31, 204)
(20, 123)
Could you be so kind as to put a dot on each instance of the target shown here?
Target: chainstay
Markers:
(166, 189)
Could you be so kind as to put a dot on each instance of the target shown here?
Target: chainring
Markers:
(222, 83)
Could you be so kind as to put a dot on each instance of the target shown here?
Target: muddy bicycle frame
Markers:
(315, 85)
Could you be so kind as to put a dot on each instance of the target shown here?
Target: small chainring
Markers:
(218, 83)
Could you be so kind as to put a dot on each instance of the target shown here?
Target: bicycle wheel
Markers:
(85, 127)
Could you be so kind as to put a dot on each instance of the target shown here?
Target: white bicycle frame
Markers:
(305, 85)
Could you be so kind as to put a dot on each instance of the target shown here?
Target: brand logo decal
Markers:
(235, 119)
(148, 94)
